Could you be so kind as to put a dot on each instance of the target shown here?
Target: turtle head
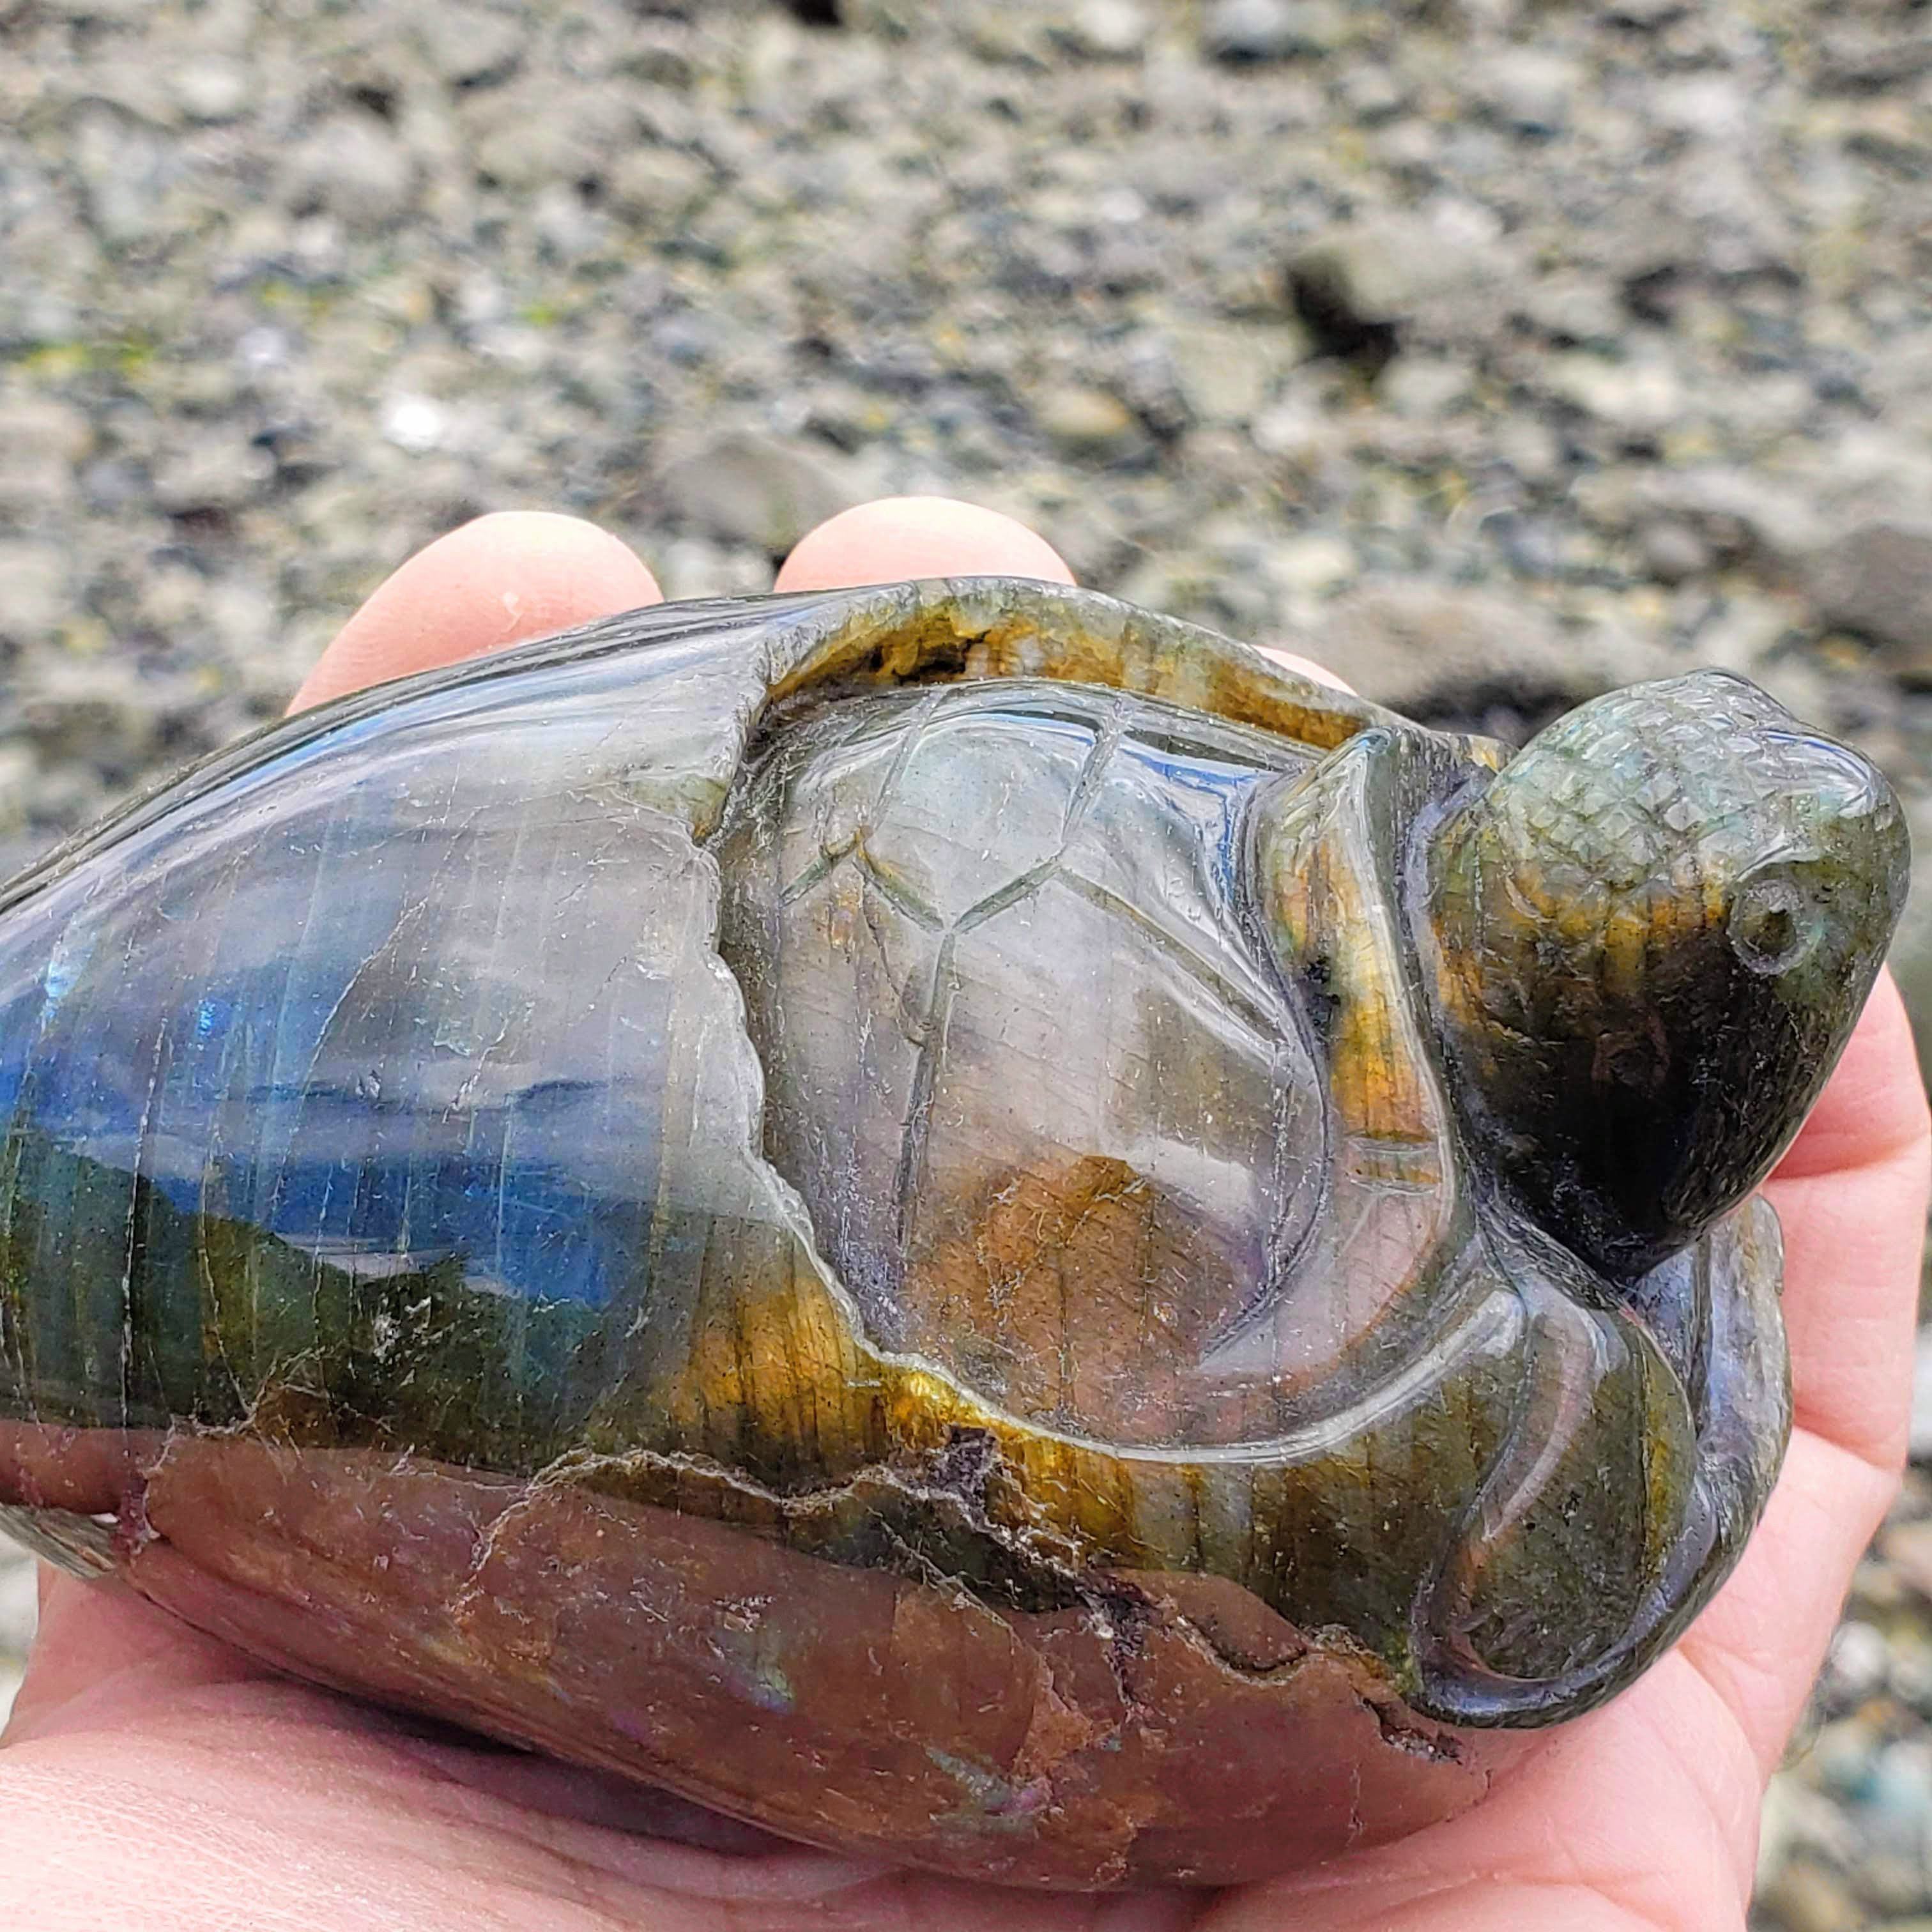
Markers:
(1652, 932)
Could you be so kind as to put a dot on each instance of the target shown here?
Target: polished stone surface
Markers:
(956, 1218)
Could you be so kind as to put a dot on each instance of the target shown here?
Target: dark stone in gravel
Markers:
(743, 487)
(1474, 660)
(1366, 288)
(1876, 580)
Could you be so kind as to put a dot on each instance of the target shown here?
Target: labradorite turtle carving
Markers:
(954, 1218)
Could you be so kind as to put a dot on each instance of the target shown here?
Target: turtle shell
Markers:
(1051, 1110)
(1177, 1186)
(867, 1206)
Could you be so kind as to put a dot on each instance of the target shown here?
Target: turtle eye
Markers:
(1774, 923)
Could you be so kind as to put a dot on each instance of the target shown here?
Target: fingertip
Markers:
(1306, 667)
(503, 578)
(901, 537)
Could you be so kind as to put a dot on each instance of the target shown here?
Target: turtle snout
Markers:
(1846, 786)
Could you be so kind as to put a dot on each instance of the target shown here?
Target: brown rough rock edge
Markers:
(1174, 1731)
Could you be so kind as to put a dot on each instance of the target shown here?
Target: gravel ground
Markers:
(1496, 352)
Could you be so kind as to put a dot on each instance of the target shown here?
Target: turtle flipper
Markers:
(1621, 1488)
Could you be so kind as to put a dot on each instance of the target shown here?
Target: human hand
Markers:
(153, 1778)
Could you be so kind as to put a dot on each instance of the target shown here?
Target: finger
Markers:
(1306, 667)
(902, 537)
(1851, 1197)
(100, 1655)
(518, 573)
(1760, 1643)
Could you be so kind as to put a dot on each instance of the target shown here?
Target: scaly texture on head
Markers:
(1652, 933)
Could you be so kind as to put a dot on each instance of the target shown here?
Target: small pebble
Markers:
(1109, 29)
(1269, 30)
(1807, 1897)
(1921, 1397)
(1086, 422)
(1857, 1663)
(1673, 552)
(211, 89)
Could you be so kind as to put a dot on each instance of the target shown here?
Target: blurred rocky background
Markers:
(1494, 351)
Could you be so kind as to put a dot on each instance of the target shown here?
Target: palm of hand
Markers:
(153, 1776)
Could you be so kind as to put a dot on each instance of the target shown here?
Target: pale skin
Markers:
(151, 1778)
